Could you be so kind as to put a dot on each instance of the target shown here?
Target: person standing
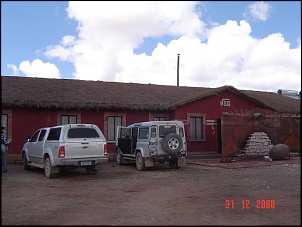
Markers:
(3, 148)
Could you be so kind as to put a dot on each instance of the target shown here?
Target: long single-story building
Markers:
(217, 120)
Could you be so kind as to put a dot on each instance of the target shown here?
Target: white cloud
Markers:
(109, 32)
(68, 40)
(273, 64)
(39, 69)
(258, 11)
(14, 68)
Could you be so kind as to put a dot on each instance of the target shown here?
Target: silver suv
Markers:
(153, 141)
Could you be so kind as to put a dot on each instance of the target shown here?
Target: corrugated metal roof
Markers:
(72, 93)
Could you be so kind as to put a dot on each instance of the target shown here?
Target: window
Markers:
(34, 138)
(54, 134)
(159, 118)
(82, 133)
(113, 122)
(143, 133)
(42, 134)
(68, 119)
(166, 129)
(153, 132)
(196, 126)
(181, 132)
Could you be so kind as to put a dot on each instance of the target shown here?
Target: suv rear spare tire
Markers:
(172, 143)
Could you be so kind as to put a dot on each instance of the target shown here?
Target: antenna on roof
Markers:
(178, 70)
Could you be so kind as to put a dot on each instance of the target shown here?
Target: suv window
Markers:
(166, 129)
(143, 133)
(153, 132)
(181, 132)
(82, 133)
(54, 134)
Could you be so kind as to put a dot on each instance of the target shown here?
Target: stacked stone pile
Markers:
(258, 145)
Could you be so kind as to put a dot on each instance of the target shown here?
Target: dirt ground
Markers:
(195, 194)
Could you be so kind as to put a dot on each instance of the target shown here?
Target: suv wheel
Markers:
(48, 169)
(172, 143)
(119, 157)
(140, 162)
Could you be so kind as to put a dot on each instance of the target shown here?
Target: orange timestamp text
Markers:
(259, 204)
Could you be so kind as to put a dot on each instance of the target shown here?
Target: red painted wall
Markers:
(212, 108)
(25, 121)
(237, 126)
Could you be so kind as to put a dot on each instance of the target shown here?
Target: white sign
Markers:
(225, 102)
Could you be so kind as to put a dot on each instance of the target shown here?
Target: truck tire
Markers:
(91, 170)
(119, 157)
(140, 162)
(48, 169)
(172, 143)
(24, 162)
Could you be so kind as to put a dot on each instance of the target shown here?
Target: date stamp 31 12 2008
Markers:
(248, 204)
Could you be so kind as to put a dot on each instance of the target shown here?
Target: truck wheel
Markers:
(140, 162)
(172, 143)
(173, 164)
(91, 171)
(48, 169)
(24, 161)
(119, 157)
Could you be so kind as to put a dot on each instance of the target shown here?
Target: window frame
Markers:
(159, 118)
(202, 127)
(112, 114)
(115, 125)
(69, 120)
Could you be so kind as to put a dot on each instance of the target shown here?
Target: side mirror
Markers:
(27, 139)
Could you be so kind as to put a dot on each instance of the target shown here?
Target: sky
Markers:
(251, 45)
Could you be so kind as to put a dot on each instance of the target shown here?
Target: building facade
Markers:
(211, 115)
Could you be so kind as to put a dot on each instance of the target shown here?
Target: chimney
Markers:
(177, 70)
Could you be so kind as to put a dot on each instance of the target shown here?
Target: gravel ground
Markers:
(121, 195)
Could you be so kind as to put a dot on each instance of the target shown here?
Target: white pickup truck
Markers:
(71, 145)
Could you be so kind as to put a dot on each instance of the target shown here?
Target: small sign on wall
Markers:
(225, 102)
(211, 122)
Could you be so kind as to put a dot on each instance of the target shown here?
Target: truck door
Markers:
(35, 148)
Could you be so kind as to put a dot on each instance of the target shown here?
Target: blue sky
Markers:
(247, 44)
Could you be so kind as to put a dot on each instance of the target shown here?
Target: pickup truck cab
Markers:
(153, 141)
(70, 145)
